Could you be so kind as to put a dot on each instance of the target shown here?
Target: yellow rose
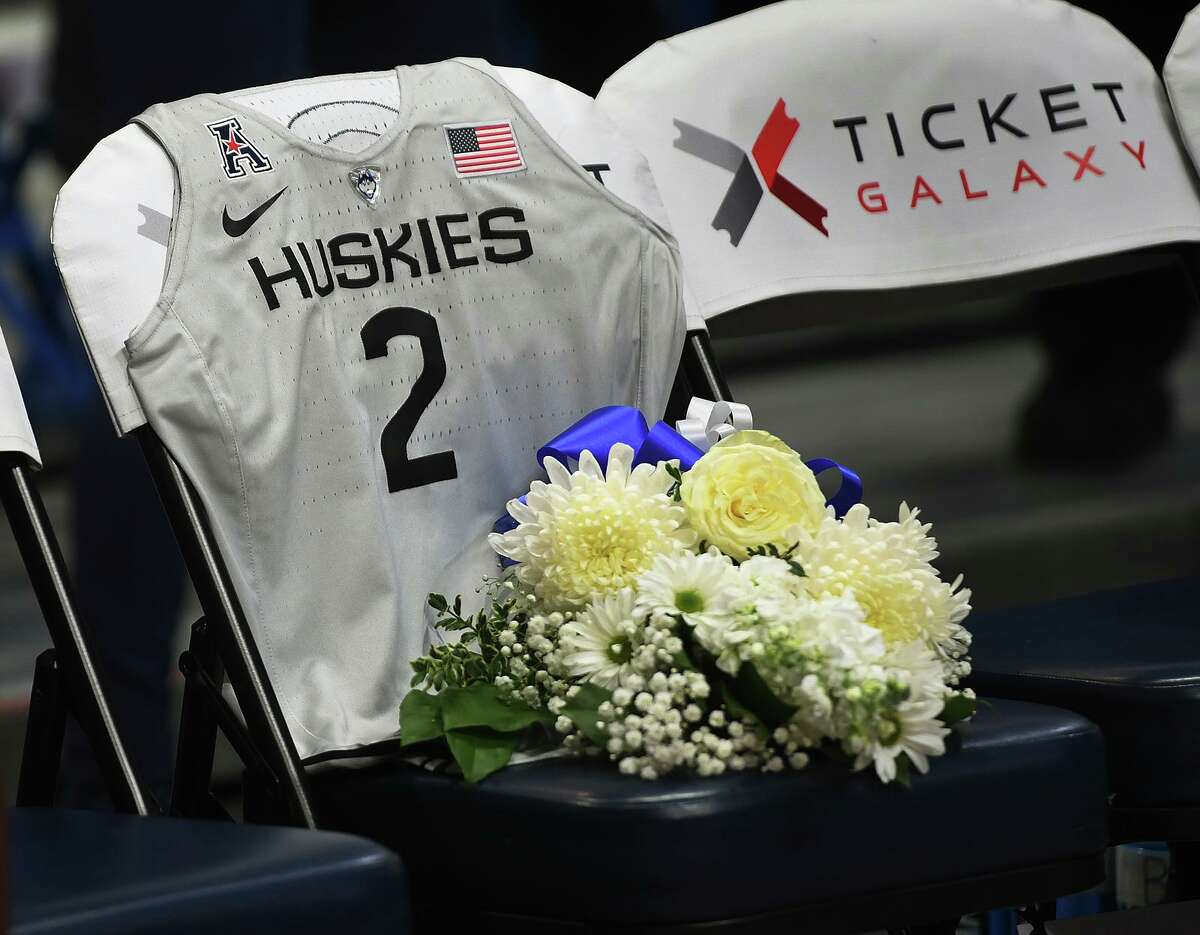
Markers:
(749, 489)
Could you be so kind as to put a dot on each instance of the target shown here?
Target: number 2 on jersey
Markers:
(403, 472)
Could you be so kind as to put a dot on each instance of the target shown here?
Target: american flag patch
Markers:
(488, 148)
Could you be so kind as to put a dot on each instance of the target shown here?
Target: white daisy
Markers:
(592, 532)
(599, 644)
(694, 587)
(919, 667)
(913, 728)
(916, 731)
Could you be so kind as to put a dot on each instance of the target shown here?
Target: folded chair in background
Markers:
(948, 151)
(591, 289)
(66, 680)
(94, 872)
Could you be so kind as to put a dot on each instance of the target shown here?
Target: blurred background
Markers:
(1053, 440)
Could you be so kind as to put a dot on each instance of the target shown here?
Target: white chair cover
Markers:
(820, 145)
(1181, 74)
(15, 431)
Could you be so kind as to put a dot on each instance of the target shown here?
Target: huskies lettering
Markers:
(367, 261)
(1057, 103)
(358, 260)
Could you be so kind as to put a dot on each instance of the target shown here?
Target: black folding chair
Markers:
(924, 140)
(1025, 780)
(66, 679)
(96, 873)
(1014, 814)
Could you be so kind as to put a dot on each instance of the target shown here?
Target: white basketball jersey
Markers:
(356, 355)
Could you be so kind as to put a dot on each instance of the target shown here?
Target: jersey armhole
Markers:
(173, 268)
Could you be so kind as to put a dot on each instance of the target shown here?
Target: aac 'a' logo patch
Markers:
(237, 150)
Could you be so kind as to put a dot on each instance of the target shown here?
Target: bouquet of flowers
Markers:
(702, 613)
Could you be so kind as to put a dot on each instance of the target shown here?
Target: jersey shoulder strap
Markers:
(208, 141)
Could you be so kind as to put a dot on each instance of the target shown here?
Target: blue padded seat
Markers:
(1129, 660)
(1023, 785)
(95, 873)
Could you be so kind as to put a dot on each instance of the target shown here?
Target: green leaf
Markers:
(903, 774)
(684, 660)
(674, 490)
(420, 717)
(700, 658)
(479, 705)
(583, 710)
(479, 752)
(751, 692)
(957, 708)
(734, 707)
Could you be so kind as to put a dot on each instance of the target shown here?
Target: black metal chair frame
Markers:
(67, 679)
(276, 785)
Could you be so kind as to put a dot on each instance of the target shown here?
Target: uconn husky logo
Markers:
(237, 151)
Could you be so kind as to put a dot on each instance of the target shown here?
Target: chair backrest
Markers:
(112, 219)
(70, 679)
(818, 146)
(1181, 75)
(113, 277)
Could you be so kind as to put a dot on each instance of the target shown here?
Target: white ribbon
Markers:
(707, 422)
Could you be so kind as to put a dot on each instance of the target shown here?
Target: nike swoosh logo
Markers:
(235, 227)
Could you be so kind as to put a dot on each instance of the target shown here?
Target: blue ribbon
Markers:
(850, 490)
(602, 428)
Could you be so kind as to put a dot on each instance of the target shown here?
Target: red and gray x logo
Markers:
(745, 191)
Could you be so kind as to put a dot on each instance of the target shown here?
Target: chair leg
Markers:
(197, 742)
(42, 754)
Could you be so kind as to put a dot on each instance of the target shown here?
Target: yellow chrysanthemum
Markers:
(888, 568)
(590, 533)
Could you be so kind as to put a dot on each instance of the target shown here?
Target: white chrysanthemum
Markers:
(918, 733)
(598, 645)
(695, 587)
(888, 567)
(589, 532)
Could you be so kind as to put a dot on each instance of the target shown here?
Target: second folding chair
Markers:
(951, 152)
(137, 873)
